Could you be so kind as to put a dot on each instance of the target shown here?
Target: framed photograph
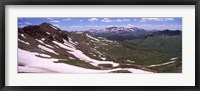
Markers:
(112, 45)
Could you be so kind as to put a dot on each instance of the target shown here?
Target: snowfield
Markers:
(33, 63)
(79, 54)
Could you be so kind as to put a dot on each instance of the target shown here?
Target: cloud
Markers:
(169, 19)
(119, 20)
(50, 18)
(151, 19)
(123, 20)
(27, 23)
(106, 20)
(76, 26)
(56, 21)
(156, 19)
(93, 19)
(67, 19)
(126, 20)
(160, 27)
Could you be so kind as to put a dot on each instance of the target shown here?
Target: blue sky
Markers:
(82, 24)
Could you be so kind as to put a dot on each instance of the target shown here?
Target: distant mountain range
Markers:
(122, 33)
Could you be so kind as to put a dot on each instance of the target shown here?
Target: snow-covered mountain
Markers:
(120, 33)
(46, 48)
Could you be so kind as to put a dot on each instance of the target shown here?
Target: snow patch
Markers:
(48, 33)
(23, 42)
(92, 37)
(68, 44)
(47, 49)
(54, 27)
(64, 46)
(43, 55)
(130, 61)
(174, 58)
(43, 39)
(71, 58)
(44, 43)
(70, 40)
(161, 64)
(23, 35)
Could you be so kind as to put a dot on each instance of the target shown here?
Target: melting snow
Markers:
(43, 55)
(23, 35)
(130, 61)
(92, 37)
(36, 64)
(47, 49)
(161, 64)
(71, 58)
(70, 40)
(63, 46)
(43, 39)
(79, 54)
(68, 44)
(48, 33)
(24, 42)
(54, 27)
(174, 58)
(44, 43)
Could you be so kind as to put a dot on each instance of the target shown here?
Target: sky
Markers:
(83, 24)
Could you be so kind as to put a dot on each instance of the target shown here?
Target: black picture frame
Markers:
(98, 2)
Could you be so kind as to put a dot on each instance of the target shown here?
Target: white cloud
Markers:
(27, 23)
(67, 19)
(76, 26)
(106, 20)
(156, 19)
(56, 21)
(126, 20)
(50, 18)
(160, 27)
(119, 20)
(93, 19)
(169, 19)
(151, 19)
(122, 20)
